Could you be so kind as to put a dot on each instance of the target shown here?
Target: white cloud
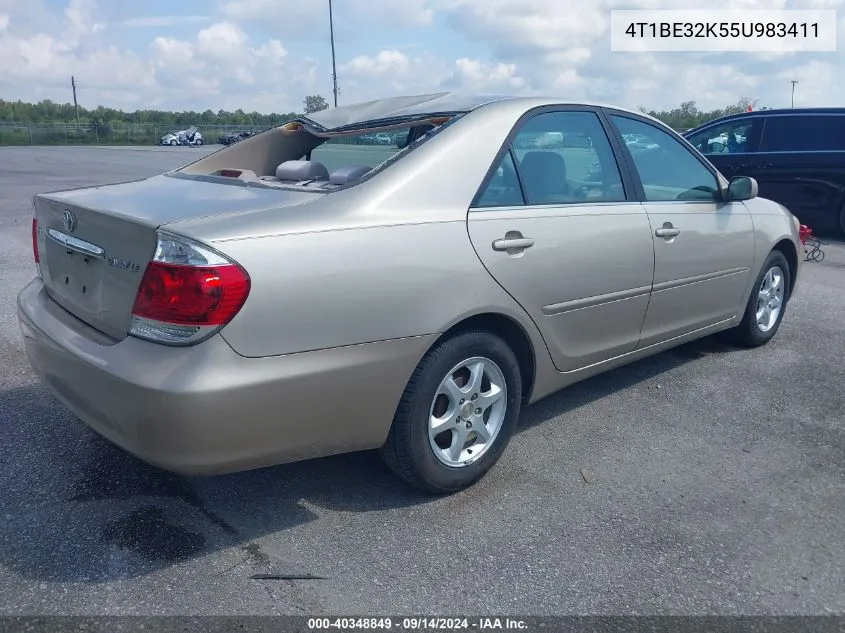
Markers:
(474, 75)
(273, 51)
(387, 62)
(170, 52)
(304, 19)
(223, 40)
(562, 47)
(162, 21)
(219, 61)
(262, 54)
(291, 19)
(80, 18)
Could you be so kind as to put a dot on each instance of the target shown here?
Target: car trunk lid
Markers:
(94, 244)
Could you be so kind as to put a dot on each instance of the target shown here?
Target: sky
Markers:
(267, 55)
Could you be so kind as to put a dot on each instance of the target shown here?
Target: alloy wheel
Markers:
(467, 412)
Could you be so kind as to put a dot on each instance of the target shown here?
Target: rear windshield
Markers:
(361, 150)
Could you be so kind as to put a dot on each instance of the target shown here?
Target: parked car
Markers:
(281, 299)
(796, 155)
(171, 138)
(189, 137)
(400, 139)
(383, 138)
(233, 137)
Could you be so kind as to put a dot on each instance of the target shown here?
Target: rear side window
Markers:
(803, 133)
(503, 190)
(556, 158)
(566, 157)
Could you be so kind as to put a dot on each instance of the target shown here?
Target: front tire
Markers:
(457, 413)
(172, 142)
(767, 303)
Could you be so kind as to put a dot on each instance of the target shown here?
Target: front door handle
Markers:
(513, 242)
(667, 231)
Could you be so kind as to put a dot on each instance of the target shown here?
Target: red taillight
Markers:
(35, 241)
(191, 295)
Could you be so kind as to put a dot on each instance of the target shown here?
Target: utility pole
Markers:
(75, 105)
(794, 81)
(334, 67)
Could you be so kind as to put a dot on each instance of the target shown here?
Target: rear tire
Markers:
(767, 303)
(469, 387)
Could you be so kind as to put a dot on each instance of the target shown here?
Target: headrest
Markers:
(302, 170)
(543, 173)
(545, 161)
(343, 175)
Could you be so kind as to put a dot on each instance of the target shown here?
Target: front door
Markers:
(558, 230)
(703, 247)
(732, 145)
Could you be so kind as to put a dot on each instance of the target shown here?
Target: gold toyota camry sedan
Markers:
(317, 289)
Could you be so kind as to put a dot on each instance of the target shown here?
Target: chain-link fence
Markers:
(91, 134)
(118, 134)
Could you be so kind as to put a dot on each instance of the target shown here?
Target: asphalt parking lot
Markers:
(716, 484)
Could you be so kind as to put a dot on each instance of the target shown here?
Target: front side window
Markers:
(728, 138)
(667, 169)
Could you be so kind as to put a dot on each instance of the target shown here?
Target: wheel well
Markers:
(788, 249)
(512, 333)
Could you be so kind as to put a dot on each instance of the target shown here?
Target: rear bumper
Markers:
(205, 409)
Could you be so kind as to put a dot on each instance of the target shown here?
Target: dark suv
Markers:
(796, 155)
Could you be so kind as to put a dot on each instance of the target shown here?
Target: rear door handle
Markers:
(513, 241)
(667, 230)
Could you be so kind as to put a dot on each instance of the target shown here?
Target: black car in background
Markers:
(234, 137)
(797, 156)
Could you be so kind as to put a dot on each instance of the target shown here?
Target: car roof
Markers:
(441, 103)
(770, 112)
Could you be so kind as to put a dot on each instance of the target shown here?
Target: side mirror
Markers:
(741, 188)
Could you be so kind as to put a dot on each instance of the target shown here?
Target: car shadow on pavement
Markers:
(78, 509)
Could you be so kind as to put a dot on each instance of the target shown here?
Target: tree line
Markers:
(687, 115)
(48, 111)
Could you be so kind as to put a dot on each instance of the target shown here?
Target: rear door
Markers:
(802, 165)
(703, 247)
(556, 225)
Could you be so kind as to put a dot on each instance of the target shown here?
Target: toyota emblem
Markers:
(69, 220)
